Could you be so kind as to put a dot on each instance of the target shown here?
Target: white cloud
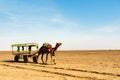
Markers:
(108, 29)
(64, 21)
(112, 27)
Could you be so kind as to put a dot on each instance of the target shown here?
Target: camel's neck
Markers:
(56, 46)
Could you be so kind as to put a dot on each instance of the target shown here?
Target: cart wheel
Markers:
(25, 58)
(16, 58)
(35, 59)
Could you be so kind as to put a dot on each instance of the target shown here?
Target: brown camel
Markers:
(46, 50)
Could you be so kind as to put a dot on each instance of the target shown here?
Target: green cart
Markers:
(24, 51)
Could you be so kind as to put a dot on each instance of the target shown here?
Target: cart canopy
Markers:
(25, 45)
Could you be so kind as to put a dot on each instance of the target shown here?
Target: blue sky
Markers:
(78, 24)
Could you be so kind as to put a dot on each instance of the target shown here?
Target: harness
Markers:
(49, 46)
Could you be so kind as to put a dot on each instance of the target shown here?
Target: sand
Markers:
(71, 65)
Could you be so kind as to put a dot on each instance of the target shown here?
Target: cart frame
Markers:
(23, 51)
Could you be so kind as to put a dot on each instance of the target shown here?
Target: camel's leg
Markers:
(38, 56)
(53, 59)
(46, 58)
(42, 58)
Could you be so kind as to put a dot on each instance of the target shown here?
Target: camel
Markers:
(46, 50)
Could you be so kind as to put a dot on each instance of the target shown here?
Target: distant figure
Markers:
(22, 48)
(29, 49)
(110, 50)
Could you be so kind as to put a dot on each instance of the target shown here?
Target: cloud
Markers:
(108, 29)
(62, 20)
(39, 24)
(112, 27)
(22, 14)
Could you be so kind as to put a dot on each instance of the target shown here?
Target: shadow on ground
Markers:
(12, 61)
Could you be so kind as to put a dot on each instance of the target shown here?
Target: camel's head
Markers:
(58, 44)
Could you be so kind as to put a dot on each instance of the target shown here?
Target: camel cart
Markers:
(24, 51)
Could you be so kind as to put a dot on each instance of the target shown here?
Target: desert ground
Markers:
(71, 65)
